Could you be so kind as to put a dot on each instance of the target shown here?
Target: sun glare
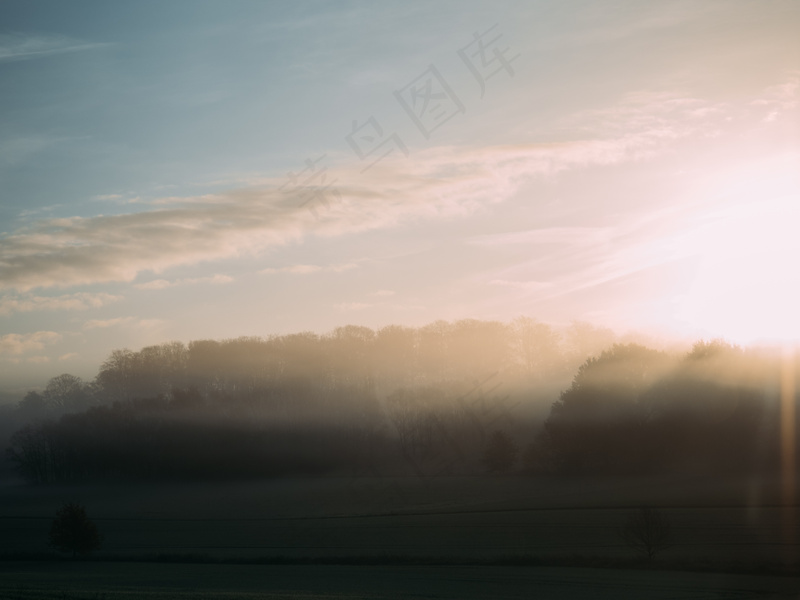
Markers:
(747, 283)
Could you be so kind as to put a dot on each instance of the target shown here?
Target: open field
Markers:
(469, 518)
(129, 581)
(415, 532)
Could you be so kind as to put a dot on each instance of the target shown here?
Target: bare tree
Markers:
(648, 531)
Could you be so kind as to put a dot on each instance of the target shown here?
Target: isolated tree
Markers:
(647, 531)
(73, 531)
(500, 453)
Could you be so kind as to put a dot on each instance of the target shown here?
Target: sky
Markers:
(190, 170)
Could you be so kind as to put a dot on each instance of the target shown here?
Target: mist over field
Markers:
(447, 399)
(471, 442)
(398, 396)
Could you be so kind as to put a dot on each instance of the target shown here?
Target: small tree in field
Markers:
(72, 531)
(648, 531)
(500, 452)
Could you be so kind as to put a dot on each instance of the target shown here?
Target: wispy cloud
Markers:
(105, 323)
(24, 46)
(439, 183)
(576, 257)
(122, 322)
(308, 269)
(780, 99)
(546, 235)
(160, 284)
(644, 19)
(352, 306)
(435, 183)
(522, 285)
(72, 251)
(80, 301)
(22, 343)
(16, 150)
(38, 360)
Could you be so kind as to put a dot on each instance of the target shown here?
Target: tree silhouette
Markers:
(66, 393)
(647, 531)
(32, 406)
(500, 453)
(73, 531)
(598, 420)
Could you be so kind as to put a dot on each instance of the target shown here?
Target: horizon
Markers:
(576, 344)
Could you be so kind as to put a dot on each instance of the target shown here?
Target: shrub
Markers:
(73, 531)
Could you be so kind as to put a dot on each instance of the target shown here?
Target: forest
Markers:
(461, 398)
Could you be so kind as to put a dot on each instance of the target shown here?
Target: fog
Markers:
(460, 398)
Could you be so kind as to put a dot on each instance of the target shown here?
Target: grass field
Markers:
(128, 581)
(403, 527)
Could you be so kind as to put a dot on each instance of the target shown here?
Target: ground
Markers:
(128, 581)
(479, 537)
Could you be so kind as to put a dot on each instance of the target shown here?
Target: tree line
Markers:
(421, 369)
(526, 353)
(458, 398)
(633, 410)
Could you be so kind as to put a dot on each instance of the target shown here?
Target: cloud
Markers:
(155, 284)
(130, 322)
(21, 343)
(352, 306)
(16, 150)
(38, 360)
(74, 251)
(546, 235)
(652, 118)
(780, 99)
(642, 19)
(383, 293)
(295, 269)
(577, 259)
(80, 301)
(307, 269)
(160, 284)
(439, 183)
(404, 307)
(433, 183)
(122, 322)
(68, 356)
(522, 285)
(105, 323)
(21, 46)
